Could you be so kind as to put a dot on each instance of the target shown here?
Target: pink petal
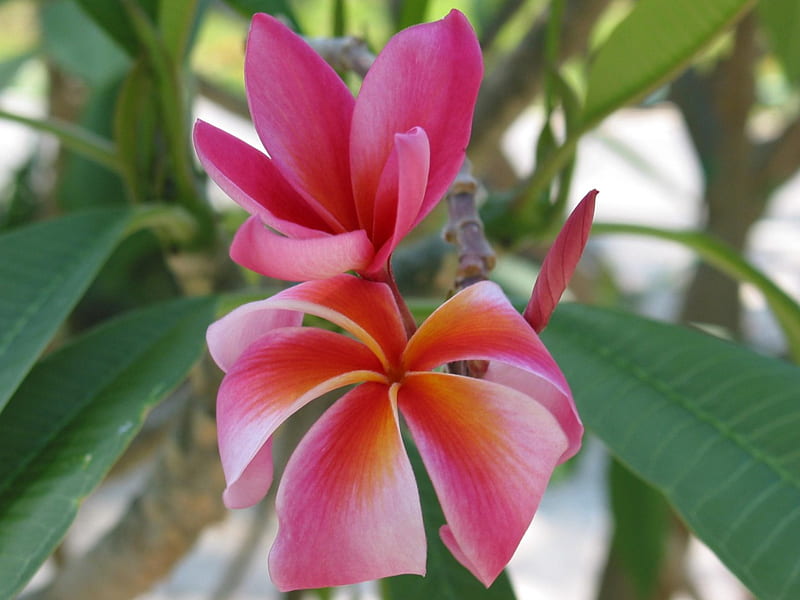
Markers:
(261, 250)
(479, 323)
(253, 483)
(427, 76)
(231, 335)
(560, 404)
(302, 111)
(276, 376)
(400, 194)
(364, 308)
(490, 451)
(559, 264)
(251, 180)
(348, 508)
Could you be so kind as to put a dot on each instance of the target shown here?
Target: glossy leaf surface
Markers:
(711, 425)
(75, 414)
(652, 44)
(44, 272)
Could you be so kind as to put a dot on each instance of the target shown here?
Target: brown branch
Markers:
(476, 258)
(344, 53)
(464, 229)
(716, 107)
(779, 159)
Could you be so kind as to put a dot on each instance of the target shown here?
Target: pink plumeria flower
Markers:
(346, 179)
(347, 504)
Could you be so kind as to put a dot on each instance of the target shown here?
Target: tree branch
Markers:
(476, 258)
(344, 53)
(779, 159)
(464, 229)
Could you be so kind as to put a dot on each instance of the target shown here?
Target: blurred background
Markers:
(714, 149)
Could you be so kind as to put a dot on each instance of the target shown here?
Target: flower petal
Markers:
(365, 309)
(254, 482)
(559, 263)
(272, 379)
(301, 110)
(250, 178)
(427, 76)
(490, 451)
(348, 508)
(261, 250)
(560, 404)
(400, 194)
(231, 335)
(479, 323)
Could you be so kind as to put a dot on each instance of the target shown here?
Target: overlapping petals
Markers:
(347, 504)
(344, 179)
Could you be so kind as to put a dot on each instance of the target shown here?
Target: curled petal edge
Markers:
(262, 250)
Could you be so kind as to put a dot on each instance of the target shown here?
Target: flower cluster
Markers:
(343, 181)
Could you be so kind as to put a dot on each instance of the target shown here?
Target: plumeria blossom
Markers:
(347, 504)
(345, 179)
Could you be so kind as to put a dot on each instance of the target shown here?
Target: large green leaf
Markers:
(45, 269)
(641, 527)
(446, 578)
(75, 414)
(781, 20)
(111, 16)
(652, 44)
(711, 425)
(91, 54)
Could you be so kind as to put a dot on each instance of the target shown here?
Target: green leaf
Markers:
(137, 146)
(411, 12)
(655, 41)
(247, 8)
(727, 260)
(178, 23)
(641, 525)
(76, 138)
(75, 414)
(91, 54)
(111, 17)
(781, 21)
(45, 269)
(446, 578)
(711, 425)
